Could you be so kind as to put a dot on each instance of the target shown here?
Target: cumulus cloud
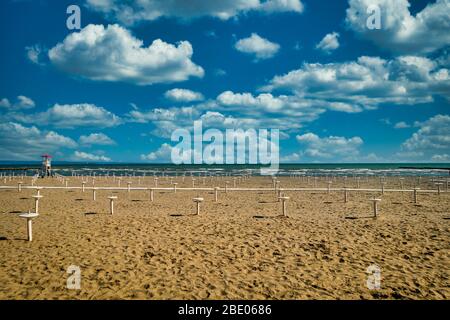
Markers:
(234, 142)
(331, 147)
(212, 114)
(293, 157)
(96, 139)
(183, 95)
(400, 31)
(266, 110)
(21, 103)
(257, 46)
(34, 54)
(304, 109)
(114, 54)
(329, 43)
(131, 12)
(401, 125)
(168, 119)
(162, 154)
(240, 110)
(264, 101)
(441, 158)
(368, 82)
(430, 141)
(83, 156)
(165, 120)
(163, 114)
(71, 116)
(314, 89)
(18, 142)
(4, 103)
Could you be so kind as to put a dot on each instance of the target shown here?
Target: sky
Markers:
(118, 87)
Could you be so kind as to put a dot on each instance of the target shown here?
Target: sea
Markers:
(307, 169)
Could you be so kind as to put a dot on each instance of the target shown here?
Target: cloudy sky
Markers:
(137, 70)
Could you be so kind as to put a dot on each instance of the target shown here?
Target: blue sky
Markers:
(117, 88)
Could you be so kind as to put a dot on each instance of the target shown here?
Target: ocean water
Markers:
(345, 169)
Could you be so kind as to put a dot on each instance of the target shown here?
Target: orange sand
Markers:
(238, 248)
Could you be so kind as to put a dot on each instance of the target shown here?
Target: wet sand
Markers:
(238, 248)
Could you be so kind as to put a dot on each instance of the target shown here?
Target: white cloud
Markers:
(293, 157)
(408, 156)
(219, 120)
(183, 95)
(83, 156)
(386, 121)
(165, 120)
(259, 47)
(331, 147)
(114, 54)
(34, 54)
(342, 87)
(163, 154)
(329, 43)
(368, 82)
(441, 158)
(71, 116)
(220, 72)
(4, 103)
(264, 101)
(267, 111)
(372, 157)
(401, 125)
(214, 115)
(240, 110)
(400, 31)
(96, 139)
(281, 5)
(133, 11)
(163, 114)
(290, 106)
(211, 33)
(241, 145)
(18, 142)
(22, 103)
(432, 139)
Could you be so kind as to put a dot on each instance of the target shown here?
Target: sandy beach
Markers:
(238, 248)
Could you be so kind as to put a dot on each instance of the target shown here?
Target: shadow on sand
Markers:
(5, 238)
(182, 215)
(268, 217)
(361, 217)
